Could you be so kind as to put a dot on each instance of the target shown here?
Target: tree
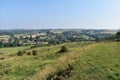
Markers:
(36, 39)
(118, 35)
(31, 37)
(1, 44)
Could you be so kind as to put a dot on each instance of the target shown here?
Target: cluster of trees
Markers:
(74, 36)
(115, 37)
(56, 38)
(12, 42)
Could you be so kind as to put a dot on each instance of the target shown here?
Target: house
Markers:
(5, 40)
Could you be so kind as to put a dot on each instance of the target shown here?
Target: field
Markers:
(83, 61)
(4, 36)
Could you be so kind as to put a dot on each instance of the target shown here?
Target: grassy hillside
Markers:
(100, 62)
(15, 67)
(83, 61)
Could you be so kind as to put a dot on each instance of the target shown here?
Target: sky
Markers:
(59, 14)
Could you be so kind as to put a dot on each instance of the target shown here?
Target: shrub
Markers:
(34, 52)
(2, 58)
(28, 53)
(20, 53)
(63, 49)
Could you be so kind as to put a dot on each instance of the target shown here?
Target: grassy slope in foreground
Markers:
(100, 62)
(13, 67)
(93, 62)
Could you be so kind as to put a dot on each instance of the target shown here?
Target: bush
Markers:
(34, 52)
(28, 53)
(63, 49)
(2, 58)
(20, 53)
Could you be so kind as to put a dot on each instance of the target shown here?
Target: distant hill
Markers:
(21, 31)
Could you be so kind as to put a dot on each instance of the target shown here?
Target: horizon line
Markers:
(59, 28)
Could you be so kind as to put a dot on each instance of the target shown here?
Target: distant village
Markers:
(51, 37)
(23, 39)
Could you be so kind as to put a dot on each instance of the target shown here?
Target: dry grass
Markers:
(37, 67)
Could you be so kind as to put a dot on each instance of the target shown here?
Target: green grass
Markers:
(100, 62)
(96, 61)
(12, 50)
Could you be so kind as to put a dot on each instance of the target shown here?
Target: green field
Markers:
(101, 62)
(90, 61)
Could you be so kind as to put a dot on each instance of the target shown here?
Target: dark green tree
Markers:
(118, 35)
(1, 44)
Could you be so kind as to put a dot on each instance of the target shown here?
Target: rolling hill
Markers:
(83, 61)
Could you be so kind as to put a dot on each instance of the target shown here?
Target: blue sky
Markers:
(50, 14)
